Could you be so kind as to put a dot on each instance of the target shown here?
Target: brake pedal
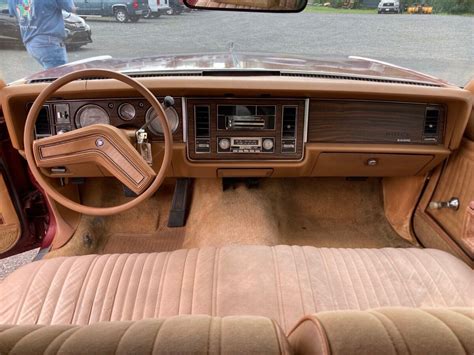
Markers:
(181, 203)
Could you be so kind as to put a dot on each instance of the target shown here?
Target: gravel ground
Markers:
(12, 263)
(442, 46)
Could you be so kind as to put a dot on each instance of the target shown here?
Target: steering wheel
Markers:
(104, 145)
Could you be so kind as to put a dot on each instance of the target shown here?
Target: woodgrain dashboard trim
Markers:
(364, 121)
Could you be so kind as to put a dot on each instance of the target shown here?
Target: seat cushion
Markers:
(386, 331)
(282, 283)
(175, 335)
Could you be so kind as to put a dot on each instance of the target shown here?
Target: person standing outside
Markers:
(42, 28)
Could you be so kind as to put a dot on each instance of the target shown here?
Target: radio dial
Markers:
(267, 144)
(224, 144)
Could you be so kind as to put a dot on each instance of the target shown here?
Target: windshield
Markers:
(434, 38)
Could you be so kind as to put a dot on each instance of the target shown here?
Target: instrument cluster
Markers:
(62, 116)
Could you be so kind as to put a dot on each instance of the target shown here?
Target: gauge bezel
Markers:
(77, 117)
(119, 111)
(173, 125)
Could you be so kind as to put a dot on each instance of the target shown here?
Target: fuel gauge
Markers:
(127, 112)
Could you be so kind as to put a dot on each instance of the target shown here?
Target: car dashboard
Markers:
(262, 127)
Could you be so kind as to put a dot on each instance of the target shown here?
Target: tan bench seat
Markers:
(282, 283)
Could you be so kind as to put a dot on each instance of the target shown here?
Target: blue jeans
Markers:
(49, 51)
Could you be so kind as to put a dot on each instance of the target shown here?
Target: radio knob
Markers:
(267, 144)
(224, 144)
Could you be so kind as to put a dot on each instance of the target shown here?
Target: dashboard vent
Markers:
(43, 125)
(203, 126)
(357, 78)
(432, 116)
(288, 129)
(289, 122)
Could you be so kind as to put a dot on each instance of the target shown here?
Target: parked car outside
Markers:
(78, 32)
(156, 8)
(122, 10)
(389, 7)
(176, 7)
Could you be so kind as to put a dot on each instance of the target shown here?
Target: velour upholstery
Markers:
(380, 331)
(181, 334)
(386, 331)
(283, 283)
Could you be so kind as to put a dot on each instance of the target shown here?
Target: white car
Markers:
(156, 8)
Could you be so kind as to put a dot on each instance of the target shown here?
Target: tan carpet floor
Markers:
(322, 212)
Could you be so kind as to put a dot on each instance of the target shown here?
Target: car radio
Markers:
(246, 117)
(245, 144)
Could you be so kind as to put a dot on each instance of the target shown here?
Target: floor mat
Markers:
(163, 240)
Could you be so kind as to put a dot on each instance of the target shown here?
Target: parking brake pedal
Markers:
(181, 203)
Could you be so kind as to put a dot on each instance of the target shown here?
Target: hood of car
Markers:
(233, 63)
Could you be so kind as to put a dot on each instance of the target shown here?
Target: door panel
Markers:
(451, 229)
(10, 227)
(457, 180)
(24, 217)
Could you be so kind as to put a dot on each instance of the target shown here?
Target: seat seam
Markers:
(278, 336)
(198, 254)
(278, 290)
(402, 281)
(131, 275)
(339, 276)
(48, 292)
(62, 288)
(309, 279)
(161, 286)
(83, 290)
(25, 295)
(374, 314)
(220, 335)
(313, 320)
(95, 291)
(431, 277)
(370, 281)
(160, 325)
(122, 336)
(73, 329)
(150, 280)
(448, 276)
(448, 327)
(182, 282)
(138, 285)
(356, 295)
(326, 271)
(214, 283)
(377, 256)
(107, 288)
(349, 276)
(377, 274)
(415, 272)
(23, 337)
(209, 327)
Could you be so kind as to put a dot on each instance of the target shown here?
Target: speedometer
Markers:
(155, 126)
(91, 114)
